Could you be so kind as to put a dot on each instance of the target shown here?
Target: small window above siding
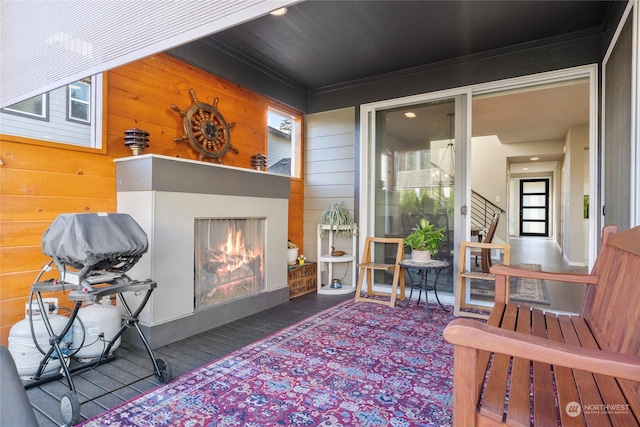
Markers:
(35, 108)
(79, 101)
(283, 142)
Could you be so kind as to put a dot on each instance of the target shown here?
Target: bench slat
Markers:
(519, 412)
(484, 356)
(584, 380)
(565, 384)
(618, 325)
(544, 405)
(608, 386)
(496, 387)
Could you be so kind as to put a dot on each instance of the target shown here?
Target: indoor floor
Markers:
(565, 297)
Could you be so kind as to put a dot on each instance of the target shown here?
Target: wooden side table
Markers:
(302, 279)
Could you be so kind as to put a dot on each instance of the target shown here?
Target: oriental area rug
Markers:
(356, 364)
(520, 289)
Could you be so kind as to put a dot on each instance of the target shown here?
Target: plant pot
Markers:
(292, 256)
(420, 256)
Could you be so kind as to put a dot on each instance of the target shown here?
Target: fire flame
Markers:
(233, 253)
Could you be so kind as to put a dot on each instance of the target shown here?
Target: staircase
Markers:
(482, 210)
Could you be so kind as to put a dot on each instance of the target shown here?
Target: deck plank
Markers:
(131, 373)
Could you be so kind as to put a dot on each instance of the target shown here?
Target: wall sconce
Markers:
(259, 162)
(136, 139)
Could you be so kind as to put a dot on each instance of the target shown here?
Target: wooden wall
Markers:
(39, 180)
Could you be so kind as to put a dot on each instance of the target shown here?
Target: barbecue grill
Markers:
(92, 252)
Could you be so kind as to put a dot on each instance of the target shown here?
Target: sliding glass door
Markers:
(412, 174)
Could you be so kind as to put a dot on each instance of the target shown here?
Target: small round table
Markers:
(423, 268)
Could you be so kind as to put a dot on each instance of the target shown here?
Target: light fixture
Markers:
(525, 169)
(447, 178)
(279, 12)
(137, 140)
(410, 115)
(535, 158)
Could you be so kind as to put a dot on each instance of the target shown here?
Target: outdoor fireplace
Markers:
(192, 213)
(229, 260)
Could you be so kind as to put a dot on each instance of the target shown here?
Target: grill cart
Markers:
(92, 252)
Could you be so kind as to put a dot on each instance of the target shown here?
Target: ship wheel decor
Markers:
(205, 129)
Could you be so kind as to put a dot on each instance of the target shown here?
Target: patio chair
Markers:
(368, 266)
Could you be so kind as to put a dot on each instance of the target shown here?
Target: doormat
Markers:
(521, 289)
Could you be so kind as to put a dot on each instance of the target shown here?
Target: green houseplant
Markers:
(426, 238)
(338, 217)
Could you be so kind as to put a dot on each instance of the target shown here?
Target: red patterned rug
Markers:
(357, 364)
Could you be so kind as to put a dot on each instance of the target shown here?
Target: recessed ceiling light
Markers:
(525, 169)
(410, 114)
(535, 158)
(279, 12)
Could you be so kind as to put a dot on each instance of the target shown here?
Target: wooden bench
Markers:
(525, 367)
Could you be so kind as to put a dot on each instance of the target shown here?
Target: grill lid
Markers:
(95, 241)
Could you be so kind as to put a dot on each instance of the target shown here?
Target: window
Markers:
(68, 115)
(79, 101)
(283, 143)
(35, 107)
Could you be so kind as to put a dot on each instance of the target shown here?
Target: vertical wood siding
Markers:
(329, 171)
(39, 180)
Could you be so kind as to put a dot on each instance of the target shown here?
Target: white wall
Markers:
(574, 240)
(330, 171)
(489, 171)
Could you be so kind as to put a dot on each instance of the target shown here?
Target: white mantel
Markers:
(165, 195)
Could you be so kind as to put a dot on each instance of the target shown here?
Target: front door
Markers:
(534, 207)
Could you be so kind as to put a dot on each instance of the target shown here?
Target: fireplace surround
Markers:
(169, 197)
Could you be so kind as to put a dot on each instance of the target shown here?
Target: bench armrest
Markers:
(474, 334)
(504, 270)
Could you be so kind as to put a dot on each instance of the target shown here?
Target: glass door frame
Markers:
(464, 99)
(462, 193)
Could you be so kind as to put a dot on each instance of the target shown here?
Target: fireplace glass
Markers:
(229, 259)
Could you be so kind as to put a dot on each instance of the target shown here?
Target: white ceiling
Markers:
(537, 114)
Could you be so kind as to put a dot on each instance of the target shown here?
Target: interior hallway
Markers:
(565, 297)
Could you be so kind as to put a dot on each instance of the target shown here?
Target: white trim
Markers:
(97, 112)
(635, 112)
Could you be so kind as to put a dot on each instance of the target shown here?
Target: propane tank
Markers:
(100, 323)
(21, 342)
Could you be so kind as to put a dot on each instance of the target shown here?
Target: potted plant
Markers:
(424, 241)
(337, 217)
(292, 254)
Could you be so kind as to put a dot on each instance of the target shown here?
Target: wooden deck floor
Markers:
(131, 373)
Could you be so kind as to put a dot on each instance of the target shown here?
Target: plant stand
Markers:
(327, 261)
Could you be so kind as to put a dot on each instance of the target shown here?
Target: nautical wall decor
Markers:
(205, 129)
